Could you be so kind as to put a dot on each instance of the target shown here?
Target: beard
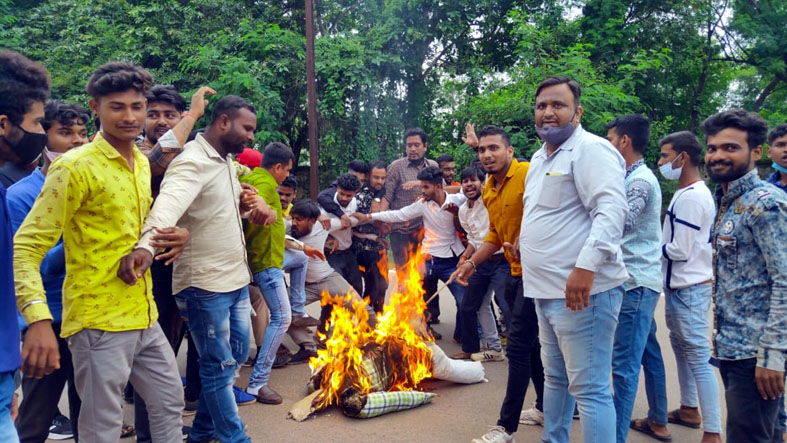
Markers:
(733, 173)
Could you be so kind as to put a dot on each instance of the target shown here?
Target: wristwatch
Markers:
(378, 199)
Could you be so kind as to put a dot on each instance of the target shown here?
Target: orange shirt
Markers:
(505, 210)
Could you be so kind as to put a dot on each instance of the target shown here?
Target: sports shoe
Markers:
(488, 355)
(190, 408)
(302, 356)
(60, 428)
(304, 321)
(496, 434)
(242, 398)
(532, 417)
(281, 361)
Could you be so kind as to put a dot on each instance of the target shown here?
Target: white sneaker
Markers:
(532, 417)
(496, 434)
(488, 355)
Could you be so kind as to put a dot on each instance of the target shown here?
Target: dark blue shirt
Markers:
(20, 199)
(776, 180)
(10, 359)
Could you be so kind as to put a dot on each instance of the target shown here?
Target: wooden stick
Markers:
(439, 289)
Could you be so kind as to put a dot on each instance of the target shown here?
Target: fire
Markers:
(400, 335)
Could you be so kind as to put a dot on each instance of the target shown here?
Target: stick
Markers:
(439, 289)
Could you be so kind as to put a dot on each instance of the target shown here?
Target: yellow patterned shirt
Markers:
(99, 204)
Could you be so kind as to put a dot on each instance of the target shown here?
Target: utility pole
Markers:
(311, 102)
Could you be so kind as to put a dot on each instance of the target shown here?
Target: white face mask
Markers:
(51, 156)
(669, 172)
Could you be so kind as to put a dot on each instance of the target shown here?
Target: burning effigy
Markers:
(369, 371)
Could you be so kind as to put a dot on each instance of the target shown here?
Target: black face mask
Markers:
(29, 147)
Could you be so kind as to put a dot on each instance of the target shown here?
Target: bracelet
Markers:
(30, 303)
(469, 260)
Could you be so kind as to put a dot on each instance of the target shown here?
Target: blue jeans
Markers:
(7, 388)
(476, 306)
(437, 269)
(749, 418)
(576, 349)
(219, 325)
(295, 263)
(687, 312)
(271, 283)
(631, 336)
(655, 379)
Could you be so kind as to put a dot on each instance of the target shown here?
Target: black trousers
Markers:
(524, 356)
(749, 418)
(346, 264)
(374, 282)
(41, 395)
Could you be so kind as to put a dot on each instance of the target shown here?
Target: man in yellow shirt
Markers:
(97, 196)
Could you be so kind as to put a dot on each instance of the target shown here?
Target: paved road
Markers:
(458, 414)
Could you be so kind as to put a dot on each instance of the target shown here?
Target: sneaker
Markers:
(302, 356)
(435, 334)
(496, 434)
(532, 417)
(242, 398)
(489, 355)
(60, 428)
(190, 408)
(281, 361)
(186, 431)
(304, 321)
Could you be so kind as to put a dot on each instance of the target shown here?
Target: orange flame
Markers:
(400, 329)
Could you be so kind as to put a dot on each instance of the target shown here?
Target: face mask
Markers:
(556, 135)
(779, 168)
(51, 156)
(29, 147)
(669, 172)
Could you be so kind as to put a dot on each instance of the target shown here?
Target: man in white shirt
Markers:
(574, 211)
(343, 260)
(441, 244)
(687, 256)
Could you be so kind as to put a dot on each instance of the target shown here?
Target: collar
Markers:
(567, 145)
(206, 147)
(634, 166)
(740, 186)
(420, 165)
(109, 151)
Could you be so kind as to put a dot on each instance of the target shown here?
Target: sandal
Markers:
(644, 427)
(127, 431)
(674, 417)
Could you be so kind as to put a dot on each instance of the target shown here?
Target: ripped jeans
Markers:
(219, 324)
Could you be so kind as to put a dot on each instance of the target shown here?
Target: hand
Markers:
(14, 407)
(382, 227)
(470, 138)
(40, 352)
(248, 198)
(462, 274)
(313, 252)
(412, 184)
(770, 383)
(172, 238)
(261, 214)
(376, 206)
(513, 250)
(133, 266)
(325, 221)
(346, 222)
(578, 289)
(362, 218)
(382, 240)
(331, 244)
(452, 208)
(199, 103)
(462, 260)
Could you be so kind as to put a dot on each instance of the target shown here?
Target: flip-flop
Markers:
(679, 421)
(645, 428)
(127, 431)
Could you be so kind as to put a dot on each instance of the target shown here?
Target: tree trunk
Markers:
(765, 93)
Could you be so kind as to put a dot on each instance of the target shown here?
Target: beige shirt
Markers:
(201, 192)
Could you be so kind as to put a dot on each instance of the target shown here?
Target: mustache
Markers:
(720, 163)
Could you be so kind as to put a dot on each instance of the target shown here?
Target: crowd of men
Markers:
(154, 231)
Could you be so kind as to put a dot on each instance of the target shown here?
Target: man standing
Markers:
(751, 277)
(777, 152)
(65, 126)
(97, 197)
(24, 86)
(369, 245)
(342, 258)
(641, 247)
(446, 164)
(201, 190)
(688, 275)
(571, 260)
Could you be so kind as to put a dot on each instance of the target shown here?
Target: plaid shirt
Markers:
(364, 199)
(399, 172)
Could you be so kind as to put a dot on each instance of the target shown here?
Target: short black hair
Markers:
(113, 77)
(559, 80)
(495, 130)
(67, 114)
(636, 126)
(755, 127)
(348, 182)
(431, 174)
(22, 83)
(166, 94)
(275, 153)
(684, 141)
(290, 182)
(778, 131)
(229, 105)
(445, 158)
(377, 164)
(359, 166)
(306, 209)
(472, 172)
(413, 132)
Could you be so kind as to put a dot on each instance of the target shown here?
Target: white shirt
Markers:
(318, 270)
(344, 237)
(574, 211)
(440, 239)
(475, 221)
(686, 251)
(201, 192)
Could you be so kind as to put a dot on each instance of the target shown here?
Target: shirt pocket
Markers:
(727, 250)
(551, 189)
